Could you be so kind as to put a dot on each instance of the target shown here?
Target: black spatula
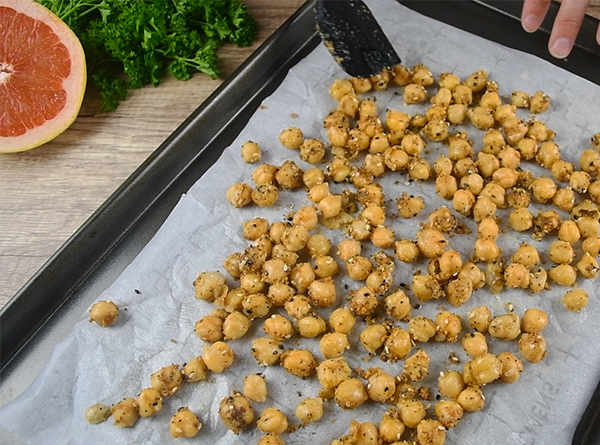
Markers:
(354, 37)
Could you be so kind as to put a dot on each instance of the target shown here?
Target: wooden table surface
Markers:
(49, 192)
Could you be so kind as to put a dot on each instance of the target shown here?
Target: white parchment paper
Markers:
(156, 326)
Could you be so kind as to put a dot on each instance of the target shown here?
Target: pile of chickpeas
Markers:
(289, 277)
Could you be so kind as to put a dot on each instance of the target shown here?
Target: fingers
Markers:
(566, 27)
(533, 14)
(598, 35)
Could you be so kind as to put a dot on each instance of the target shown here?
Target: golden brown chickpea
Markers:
(239, 194)
(383, 237)
(520, 99)
(511, 367)
(291, 137)
(505, 113)
(594, 191)
(407, 251)
(539, 102)
(397, 305)
(451, 384)
(505, 327)
(150, 402)
(311, 326)
(436, 130)
(448, 413)
(412, 144)
(564, 199)
(325, 266)
(417, 366)
(255, 306)
(561, 252)
(457, 113)
(167, 380)
(562, 170)
(431, 242)
(270, 439)
(250, 152)
(378, 145)
(322, 292)
(563, 274)
(318, 245)
(373, 337)
(333, 344)
(272, 420)
(381, 386)
(349, 248)
(486, 368)
(236, 412)
(588, 266)
(588, 226)
(409, 206)
(430, 432)
(310, 410)
(472, 182)
(411, 412)
(532, 347)
(575, 300)
(104, 313)
(442, 220)
(351, 393)
(471, 399)
(210, 328)
(342, 320)
(534, 320)
(479, 318)
(266, 351)
(449, 80)
(487, 229)
(481, 117)
(194, 370)
(184, 423)
(217, 357)
(299, 362)
(340, 87)
(516, 275)
(485, 250)
(543, 189)
(301, 276)
(539, 277)
(443, 97)
(125, 413)
(210, 286)
(474, 344)
(391, 427)
(414, 94)
(446, 186)
(448, 326)
(548, 153)
(462, 94)
(265, 195)
(463, 202)
(591, 245)
(278, 327)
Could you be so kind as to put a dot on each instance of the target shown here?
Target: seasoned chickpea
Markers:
(485, 250)
(430, 432)
(486, 368)
(310, 410)
(426, 287)
(532, 347)
(505, 327)
(340, 87)
(417, 366)
(299, 362)
(414, 94)
(564, 199)
(588, 266)
(449, 80)
(351, 393)
(446, 186)
(255, 306)
(391, 427)
(97, 413)
(332, 372)
(383, 237)
(431, 242)
(264, 174)
(333, 344)
(594, 191)
(407, 251)
(236, 412)
(250, 152)
(534, 320)
(516, 275)
(210, 328)
(349, 248)
(539, 277)
(409, 206)
(462, 94)
(381, 386)
(397, 305)
(167, 380)
(342, 320)
(411, 412)
(448, 326)
(548, 153)
(474, 274)
(436, 130)
(266, 351)
(482, 117)
(563, 274)
(591, 245)
(488, 229)
(588, 226)
(539, 102)
(472, 182)
(471, 399)
(520, 99)
(451, 384)
(575, 300)
(301, 276)
(218, 356)
(239, 194)
(511, 367)
(561, 252)
(311, 326)
(543, 189)
(125, 413)
(322, 292)
(459, 290)
(359, 268)
(475, 344)
(184, 423)
(398, 344)
(484, 208)
(396, 159)
(463, 201)
(480, 318)
(373, 337)
(272, 420)
(527, 255)
(505, 113)
(448, 413)
(291, 137)
(194, 370)
(278, 327)
(265, 195)
(104, 313)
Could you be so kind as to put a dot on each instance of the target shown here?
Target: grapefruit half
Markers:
(42, 75)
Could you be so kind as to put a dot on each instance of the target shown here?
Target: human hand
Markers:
(566, 25)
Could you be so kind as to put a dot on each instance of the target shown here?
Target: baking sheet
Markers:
(191, 230)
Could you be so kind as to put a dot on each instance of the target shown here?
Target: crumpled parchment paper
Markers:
(156, 326)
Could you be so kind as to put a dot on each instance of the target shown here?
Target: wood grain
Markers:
(49, 192)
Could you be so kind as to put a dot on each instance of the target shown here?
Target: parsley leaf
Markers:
(132, 43)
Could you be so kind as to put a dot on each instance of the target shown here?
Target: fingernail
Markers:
(561, 48)
(530, 23)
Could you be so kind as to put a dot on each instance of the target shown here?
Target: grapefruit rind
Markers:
(74, 84)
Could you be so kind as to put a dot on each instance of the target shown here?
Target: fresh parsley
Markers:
(130, 43)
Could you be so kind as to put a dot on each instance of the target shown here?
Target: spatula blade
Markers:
(354, 38)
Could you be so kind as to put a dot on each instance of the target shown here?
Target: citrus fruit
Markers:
(42, 75)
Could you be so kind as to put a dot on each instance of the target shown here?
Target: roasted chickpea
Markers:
(184, 423)
(430, 432)
(351, 393)
(532, 347)
(250, 152)
(563, 274)
(310, 410)
(236, 412)
(398, 344)
(548, 153)
(194, 370)
(217, 357)
(516, 275)
(342, 320)
(534, 320)
(575, 300)
(125, 413)
(414, 94)
(266, 351)
(311, 326)
(448, 413)
(104, 313)
(97, 413)
(239, 194)
(505, 327)
(406, 251)
(299, 362)
(411, 412)
(340, 87)
(265, 195)
(333, 344)
(451, 384)
(475, 344)
(417, 366)
(373, 337)
(471, 399)
(511, 367)
(272, 420)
